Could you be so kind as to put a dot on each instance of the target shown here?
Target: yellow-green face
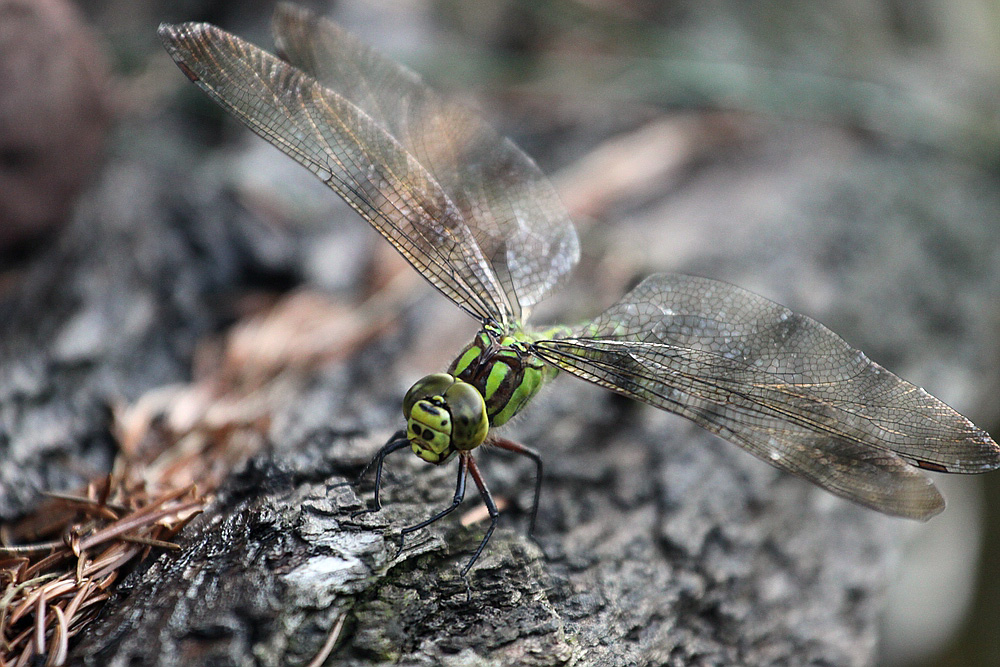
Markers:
(444, 415)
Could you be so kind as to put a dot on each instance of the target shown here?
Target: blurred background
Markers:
(731, 139)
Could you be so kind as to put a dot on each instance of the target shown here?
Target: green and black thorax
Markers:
(504, 370)
(490, 381)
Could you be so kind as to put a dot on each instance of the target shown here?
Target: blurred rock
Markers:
(54, 114)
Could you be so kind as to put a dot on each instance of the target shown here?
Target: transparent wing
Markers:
(512, 210)
(393, 162)
(779, 384)
(347, 150)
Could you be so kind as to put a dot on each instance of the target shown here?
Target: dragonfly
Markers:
(478, 219)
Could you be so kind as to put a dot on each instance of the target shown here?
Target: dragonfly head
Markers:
(444, 415)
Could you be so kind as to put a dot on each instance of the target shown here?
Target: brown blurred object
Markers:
(53, 115)
(643, 162)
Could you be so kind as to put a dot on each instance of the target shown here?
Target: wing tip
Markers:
(992, 449)
(175, 38)
(185, 41)
(287, 19)
(177, 35)
(984, 457)
(169, 34)
(918, 499)
(284, 11)
(179, 32)
(935, 507)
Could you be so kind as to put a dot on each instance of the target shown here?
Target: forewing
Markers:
(779, 384)
(511, 209)
(349, 151)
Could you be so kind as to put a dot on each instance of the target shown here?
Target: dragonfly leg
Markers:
(464, 461)
(491, 506)
(396, 442)
(517, 448)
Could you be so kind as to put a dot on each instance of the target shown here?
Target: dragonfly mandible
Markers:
(478, 219)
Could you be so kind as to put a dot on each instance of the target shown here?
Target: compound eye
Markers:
(468, 415)
(435, 384)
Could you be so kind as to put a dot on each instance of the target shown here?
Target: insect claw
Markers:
(468, 588)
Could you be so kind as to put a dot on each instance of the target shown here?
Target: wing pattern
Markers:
(477, 218)
(513, 211)
(779, 384)
(468, 209)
